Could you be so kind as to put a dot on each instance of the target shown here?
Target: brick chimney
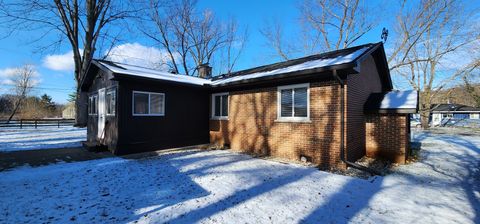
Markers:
(204, 71)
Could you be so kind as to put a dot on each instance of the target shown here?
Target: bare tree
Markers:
(428, 33)
(22, 81)
(274, 34)
(83, 23)
(472, 72)
(472, 92)
(325, 25)
(235, 43)
(191, 38)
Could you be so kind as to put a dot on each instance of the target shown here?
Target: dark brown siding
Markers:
(358, 88)
(185, 122)
(103, 80)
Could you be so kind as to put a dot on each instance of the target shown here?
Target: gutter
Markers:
(342, 129)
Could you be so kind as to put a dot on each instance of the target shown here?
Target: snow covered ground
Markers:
(224, 187)
(16, 139)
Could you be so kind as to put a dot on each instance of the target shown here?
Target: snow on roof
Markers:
(151, 73)
(453, 107)
(323, 62)
(400, 100)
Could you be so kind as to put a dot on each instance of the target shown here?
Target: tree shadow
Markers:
(471, 180)
(350, 199)
(241, 196)
(347, 201)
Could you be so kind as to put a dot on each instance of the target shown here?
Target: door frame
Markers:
(102, 113)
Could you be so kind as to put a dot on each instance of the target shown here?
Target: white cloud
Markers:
(7, 76)
(7, 72)
(60, 62)
(140, 55)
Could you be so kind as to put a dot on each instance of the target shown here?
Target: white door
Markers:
(101, 113)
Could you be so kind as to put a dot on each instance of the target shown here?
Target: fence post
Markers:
(35, 124)
(21, 123)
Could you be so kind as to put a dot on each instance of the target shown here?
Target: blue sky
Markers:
(59, 82)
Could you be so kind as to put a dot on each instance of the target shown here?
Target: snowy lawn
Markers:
(225, 187)
(16, 139)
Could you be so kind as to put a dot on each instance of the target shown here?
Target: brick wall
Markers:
(252, 126)
(358, 88)
(388, 136)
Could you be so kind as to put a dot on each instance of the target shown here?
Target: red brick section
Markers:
(252, 126)
(358, 88)
(388, 136)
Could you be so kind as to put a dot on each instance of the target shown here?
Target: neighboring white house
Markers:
(69, 111)
(442, 113)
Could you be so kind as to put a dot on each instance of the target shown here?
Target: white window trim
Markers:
(279, 104)
(148, 114)
(474, 116)
(213, 117)
(115, 94)
(95, 95)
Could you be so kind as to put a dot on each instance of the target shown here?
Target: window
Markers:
(92, 104)
(220, 106)
(474, 116)
(148, 104)
(293, 103)
(110, 100)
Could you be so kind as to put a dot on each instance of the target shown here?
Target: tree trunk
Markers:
(17, 105)
(81, 109)
(425, 118)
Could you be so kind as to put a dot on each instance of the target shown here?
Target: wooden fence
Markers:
(21, 123)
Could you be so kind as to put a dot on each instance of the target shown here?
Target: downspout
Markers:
(342, 129)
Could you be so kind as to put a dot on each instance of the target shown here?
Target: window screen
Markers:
(293, 102)
(287, 101)
(225, 105)
(140, 103)
(92, 105)
(300, 99)
(145, 103)
(220, 105)
(156, 103)
(110, 102)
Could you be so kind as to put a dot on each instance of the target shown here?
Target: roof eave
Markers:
(121, 76)
(344, 66)
(392, 111)
(456, 111)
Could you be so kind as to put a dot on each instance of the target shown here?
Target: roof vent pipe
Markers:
(204, 71)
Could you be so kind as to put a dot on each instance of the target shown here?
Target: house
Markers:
(330, 109)
(69, 111)
(451, 113)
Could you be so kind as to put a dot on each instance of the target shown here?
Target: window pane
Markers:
(113, 102)
(286, 103)
(156, 104)
(225, 105)
(217, 106)
(110, 102)
(301, 99)
(107, 101)
(94, 106)
(140, 103)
